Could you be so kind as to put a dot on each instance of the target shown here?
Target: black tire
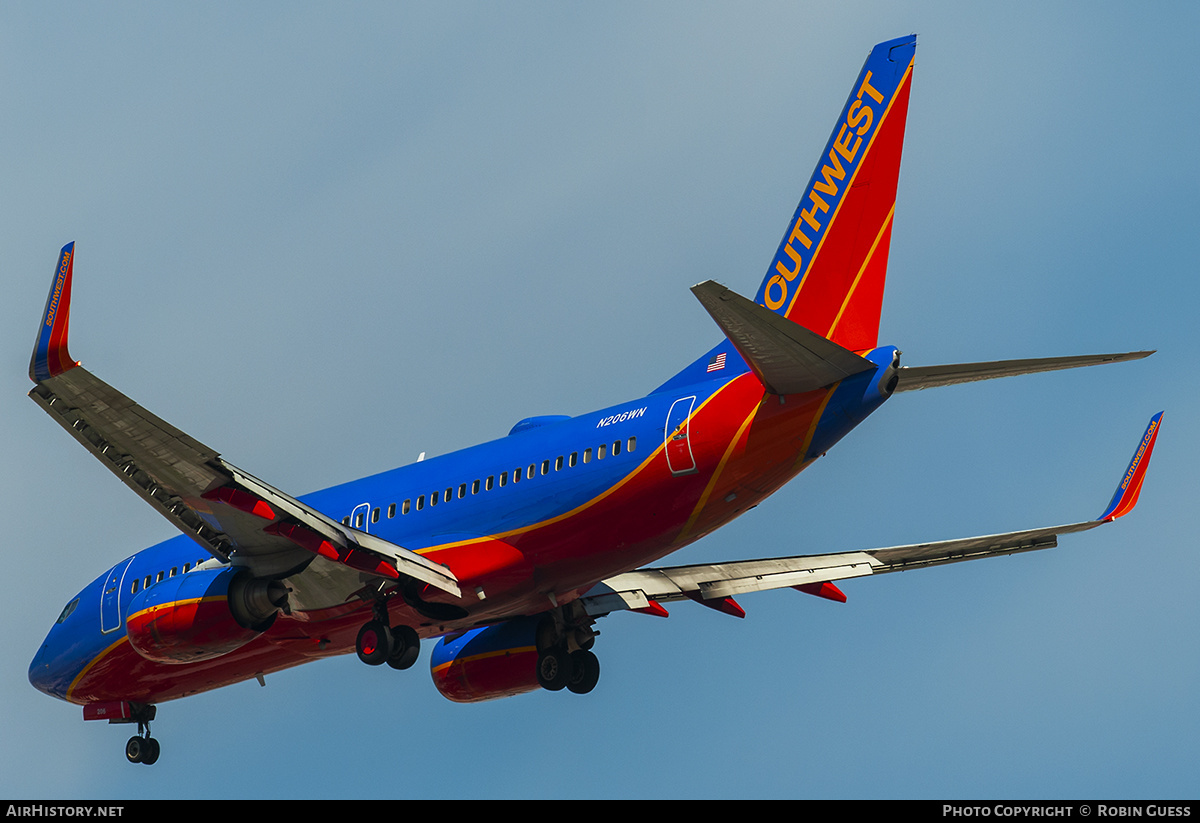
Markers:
(135, 749)
(553, 670)
(585, 672)
(374, 644)
(406, 647)
(152, 752)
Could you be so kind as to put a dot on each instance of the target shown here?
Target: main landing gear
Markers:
(565, 659)
(378, 643)
(577, 671)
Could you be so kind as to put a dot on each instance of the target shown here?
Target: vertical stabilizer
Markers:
(828, 274)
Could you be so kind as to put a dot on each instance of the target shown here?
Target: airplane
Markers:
(505, 555)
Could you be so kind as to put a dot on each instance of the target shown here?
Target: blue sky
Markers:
(323, 240)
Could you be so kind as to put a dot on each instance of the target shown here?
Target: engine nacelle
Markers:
(201, 614)
(488, 663)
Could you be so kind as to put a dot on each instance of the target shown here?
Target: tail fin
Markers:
(829, 271)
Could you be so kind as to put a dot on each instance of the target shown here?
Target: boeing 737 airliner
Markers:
(504, 555)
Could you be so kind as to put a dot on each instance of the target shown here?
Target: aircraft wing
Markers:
(715, 584)
(232, 514)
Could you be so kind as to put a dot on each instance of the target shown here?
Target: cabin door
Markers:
(359, 517)
(680, 459)
(110, 597)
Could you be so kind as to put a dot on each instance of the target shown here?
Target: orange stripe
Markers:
(92, 664)
(588, 504)
(849, 184)
(462, 661)
(887, 222)
(708, 490)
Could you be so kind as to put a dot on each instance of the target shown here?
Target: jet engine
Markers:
(484, 664)
(515, 657)
(202, 614)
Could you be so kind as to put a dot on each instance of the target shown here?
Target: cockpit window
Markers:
(66, 612)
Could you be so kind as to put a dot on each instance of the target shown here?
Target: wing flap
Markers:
(639, 589)
(206, 498)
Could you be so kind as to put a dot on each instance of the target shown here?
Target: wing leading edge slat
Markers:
(208, 499)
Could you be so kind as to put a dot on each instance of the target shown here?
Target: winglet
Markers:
(1127, 492)
(50, 355)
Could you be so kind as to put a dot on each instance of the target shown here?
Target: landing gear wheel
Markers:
(406, 646)
(142, 750)
(374, 644)
(585, 672)
(553, 670)
(135, 749)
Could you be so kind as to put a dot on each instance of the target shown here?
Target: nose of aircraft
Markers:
(55, 665)
(41, 674)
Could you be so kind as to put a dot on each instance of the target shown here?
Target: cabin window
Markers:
(406, 507)
(616, 448)
(475, 487)
(146, 583)
(174, 571)
(358, 521)
(558, 463)
(159, 578)
(532, 471)
(462, 490)
(490, 481)
(420, 502)
(631, 444)
(391, 510)
(587, 455)
(433, 498)
(545, 467)
(601, 451)
(449, 494)
(375, 515)
(517, 475)
(573, 459)
(187, 567)
(503, 479)
(346, 520)
(135, 588)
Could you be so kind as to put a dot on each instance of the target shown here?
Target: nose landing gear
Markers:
(142, 748)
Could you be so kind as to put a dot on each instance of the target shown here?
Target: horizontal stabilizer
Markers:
(913, 378)
(788, 358)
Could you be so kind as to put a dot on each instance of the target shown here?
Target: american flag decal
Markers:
(717, 363)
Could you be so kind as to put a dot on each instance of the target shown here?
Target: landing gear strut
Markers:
(565, 660)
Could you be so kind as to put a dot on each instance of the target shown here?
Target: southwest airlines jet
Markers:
(505, 555)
